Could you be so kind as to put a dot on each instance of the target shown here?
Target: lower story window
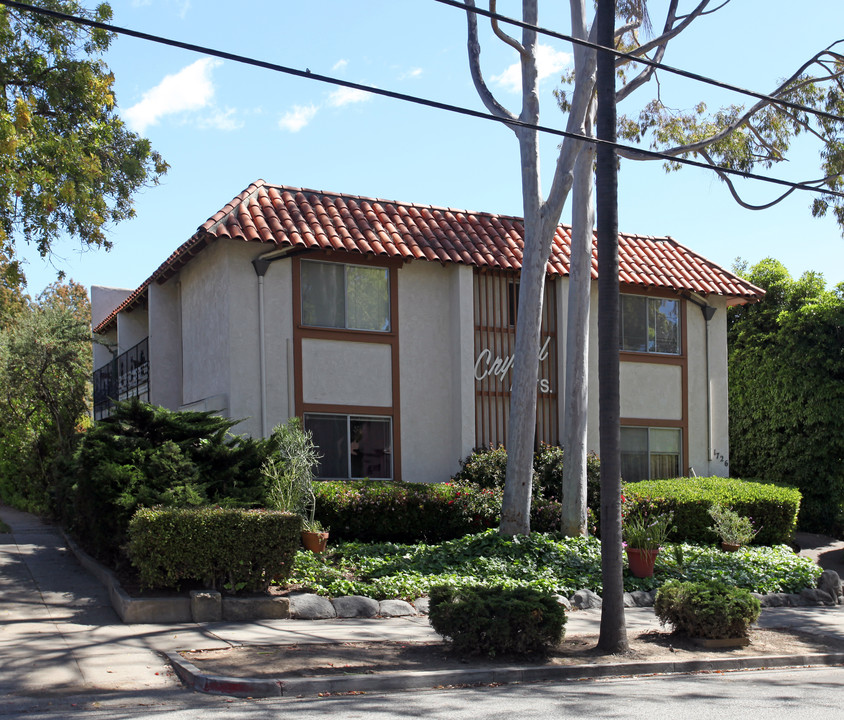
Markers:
(352, 446)
(650, 453)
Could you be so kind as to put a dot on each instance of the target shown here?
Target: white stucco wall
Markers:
(650, 390)
(132, 327)
(709, 454)
(436, 340)
(346, 373)
(165, 345)
(278, 299)
(205, 326)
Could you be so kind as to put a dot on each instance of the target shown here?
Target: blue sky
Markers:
(222, 125)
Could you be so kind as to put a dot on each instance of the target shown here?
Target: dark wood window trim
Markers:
(657, 423)
(391, 338)
(681, 361)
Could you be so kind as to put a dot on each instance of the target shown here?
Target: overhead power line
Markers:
(646, 60)
(306, 73)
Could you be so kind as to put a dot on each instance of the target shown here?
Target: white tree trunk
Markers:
(577, 341)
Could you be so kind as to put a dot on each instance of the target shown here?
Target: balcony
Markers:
(126, 376)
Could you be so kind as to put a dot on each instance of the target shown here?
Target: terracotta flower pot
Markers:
(314, 541)
(641, 562)
(730, 547)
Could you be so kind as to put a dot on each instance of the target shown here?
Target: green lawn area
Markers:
(545, 562)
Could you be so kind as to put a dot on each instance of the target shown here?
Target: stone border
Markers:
(194, 679)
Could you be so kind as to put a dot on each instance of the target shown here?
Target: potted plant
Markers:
(643, 537)
(734, 530)
(314, 536)
(289, 476)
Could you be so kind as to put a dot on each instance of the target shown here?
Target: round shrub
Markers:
(495, 620)
(708, 609)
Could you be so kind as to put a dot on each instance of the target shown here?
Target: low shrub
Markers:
(772, 508)
(227, 548)
(495, 620)
(487, 468)
(708, 609)
(386, 511)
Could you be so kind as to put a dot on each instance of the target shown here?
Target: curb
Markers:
(196, 680)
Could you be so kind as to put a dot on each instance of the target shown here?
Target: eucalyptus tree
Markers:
(734, 137)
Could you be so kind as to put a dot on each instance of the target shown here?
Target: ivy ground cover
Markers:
(542, 561)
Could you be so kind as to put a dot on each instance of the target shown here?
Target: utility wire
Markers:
(646, 60)
(639, 152)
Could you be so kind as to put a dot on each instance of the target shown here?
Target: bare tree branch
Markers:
(649, 70)
(474, 48)
(501, 35)
(668, 35)
(726, 178)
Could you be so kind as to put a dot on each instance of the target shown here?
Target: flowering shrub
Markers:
(378, 510)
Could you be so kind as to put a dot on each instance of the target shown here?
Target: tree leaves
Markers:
(67, 162)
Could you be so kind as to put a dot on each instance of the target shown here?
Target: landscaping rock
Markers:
(307, 606)
(628, 600)
(421, 605)
(564, 601)
(798, 600)
(586, 600)
(816, 596)
(355, 606)
(643, 598)
(395, 608)
(830, 582)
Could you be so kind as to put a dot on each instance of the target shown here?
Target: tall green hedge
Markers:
(772, 508)
(786, 390)
(224, 548)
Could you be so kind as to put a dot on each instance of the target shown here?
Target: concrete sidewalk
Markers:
(60, 633)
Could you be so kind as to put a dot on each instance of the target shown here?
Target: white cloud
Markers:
(188, 90)
(412, 73)
(219, 119)
(548, 62)
(346, 96)
(295, 119)
(340, 65)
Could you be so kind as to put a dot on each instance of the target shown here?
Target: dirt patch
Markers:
(308, 660)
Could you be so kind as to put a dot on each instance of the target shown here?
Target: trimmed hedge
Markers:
(772, 508)
(387, 511)
(229, 548)
(493, 620)
(709, 609)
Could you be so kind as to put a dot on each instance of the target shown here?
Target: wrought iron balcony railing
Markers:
(126, 376)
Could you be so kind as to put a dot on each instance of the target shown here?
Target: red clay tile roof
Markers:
(313, 220)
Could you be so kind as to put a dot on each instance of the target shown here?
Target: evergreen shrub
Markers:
(224, 548)
(495, 620)
(144, 456)
(708, 609)
(772, 508)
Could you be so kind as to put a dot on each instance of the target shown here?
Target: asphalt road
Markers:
(791, 694)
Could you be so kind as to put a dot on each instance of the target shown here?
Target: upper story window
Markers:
(352, 297)
(650, 324)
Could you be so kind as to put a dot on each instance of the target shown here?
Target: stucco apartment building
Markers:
(389, 328)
